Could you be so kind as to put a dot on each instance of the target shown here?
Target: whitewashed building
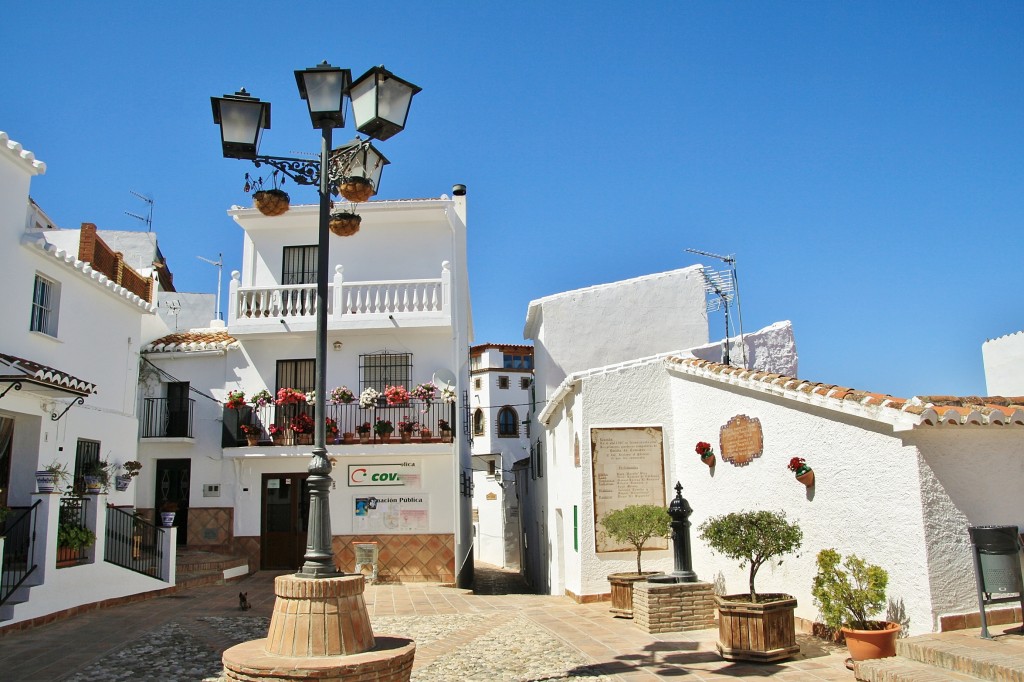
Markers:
(76, 316)
(399, 314)
(897, 481)
(500, 406)
(1004, 364)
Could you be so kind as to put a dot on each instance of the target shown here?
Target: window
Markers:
(502, 382)
(476, 384)
(490, 467)
(478, 422)
(298, 265)
(385, 369)
(297, 374)
(45, 299)
(475, 362)
(87, 452)
(518, 360)
(524, 383)
(508, 423)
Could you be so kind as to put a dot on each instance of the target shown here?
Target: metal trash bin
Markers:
(996, 567)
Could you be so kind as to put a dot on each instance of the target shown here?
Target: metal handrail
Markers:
(18, 561)
(134, 543)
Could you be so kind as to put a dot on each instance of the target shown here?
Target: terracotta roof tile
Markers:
(930, 410)
(14, 368)
(191, 341)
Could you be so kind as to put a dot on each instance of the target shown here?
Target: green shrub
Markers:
(753, 537)
(848, 598)
(636, 524)
(74, 536)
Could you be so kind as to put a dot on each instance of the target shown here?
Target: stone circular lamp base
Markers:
(320, 630)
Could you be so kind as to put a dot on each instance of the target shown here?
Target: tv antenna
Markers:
(724, 288)
(175, 308)
(219, 263)
(148, 218)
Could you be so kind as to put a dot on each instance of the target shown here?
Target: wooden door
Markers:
(177, 410)
(6, 438)
(285, 509)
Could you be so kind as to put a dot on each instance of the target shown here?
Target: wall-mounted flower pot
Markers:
(121, 483)
(46, 481)
(708, 459)
(807, 477)
(93, 485)
(271, 202)
(167, 519)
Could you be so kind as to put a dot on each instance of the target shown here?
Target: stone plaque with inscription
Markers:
(628, 468)
(741, 440)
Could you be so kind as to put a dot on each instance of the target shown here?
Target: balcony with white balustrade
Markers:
(352, 305)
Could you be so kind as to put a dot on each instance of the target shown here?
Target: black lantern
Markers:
(380, 102)
(324, 88)
(242, 119)
(358, 159)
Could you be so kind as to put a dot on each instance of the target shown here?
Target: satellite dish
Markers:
(444, 378)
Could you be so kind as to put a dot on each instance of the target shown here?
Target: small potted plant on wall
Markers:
(364, 432)
(752, 626)
(72, 539)
(167, 511)
(804, 473)
(131, 469)
(252, 434)
(707, 454)
(96, 476)
(634, 525)
(407, 427)
(446, 430)
(235, 400)
(331, 429)
(849, 593)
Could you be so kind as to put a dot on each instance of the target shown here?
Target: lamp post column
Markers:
(319, 557)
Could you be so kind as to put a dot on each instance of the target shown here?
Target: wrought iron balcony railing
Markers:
(166, 418)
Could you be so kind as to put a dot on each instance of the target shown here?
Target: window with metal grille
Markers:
(524, 383)
(45, 296)
(508, 423)
(378, 370)
(297, 374)
(502, 382)
(87, 453)
(299, 265)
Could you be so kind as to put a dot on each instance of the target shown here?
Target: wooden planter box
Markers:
(622, 591)
(761, 632)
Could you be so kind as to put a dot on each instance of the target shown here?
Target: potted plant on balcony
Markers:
(235, 400)
(424, 392)
(53, 476)
(331, 430)
(289, 396)
(281, 435)
(752, 626)
(396, 395)
(72, 539)
(446, 431)
(342, 396)
(406, 427)
(369, 398)
(261, 399)
(96, 477)
(364, 432)
(383, 428)
(634, 525)
(849, 598)
(302, 425)
(252, 434)
(131, 469)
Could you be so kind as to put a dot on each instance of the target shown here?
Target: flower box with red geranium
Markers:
(236, 399)
(289, 396)
(252, 433)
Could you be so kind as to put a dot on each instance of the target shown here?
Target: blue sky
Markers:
(863, 161)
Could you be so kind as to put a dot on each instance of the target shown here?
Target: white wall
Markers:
(1004, 364)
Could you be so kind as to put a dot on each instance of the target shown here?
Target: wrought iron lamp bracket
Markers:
(56, 418)
(307, 171)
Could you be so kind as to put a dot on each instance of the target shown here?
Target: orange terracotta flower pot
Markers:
(867, 644)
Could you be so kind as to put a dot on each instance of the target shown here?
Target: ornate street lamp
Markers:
(380, 112)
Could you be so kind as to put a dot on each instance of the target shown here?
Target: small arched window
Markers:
(478, 422)
(508, 423)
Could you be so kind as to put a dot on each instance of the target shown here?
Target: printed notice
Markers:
(391, 513)
(628, 468)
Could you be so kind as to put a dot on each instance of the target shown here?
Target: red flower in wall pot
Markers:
(804, 473)
(706, 452)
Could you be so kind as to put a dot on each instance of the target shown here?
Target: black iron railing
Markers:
(134, 543)
(18, 560)
(166, 418)
(70, 520)
(346, 417)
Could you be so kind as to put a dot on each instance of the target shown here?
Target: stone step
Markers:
(996, 660)
(900, 669)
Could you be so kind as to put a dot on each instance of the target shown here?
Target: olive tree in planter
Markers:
(752, 626)
(634, 525)
(849, 598)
